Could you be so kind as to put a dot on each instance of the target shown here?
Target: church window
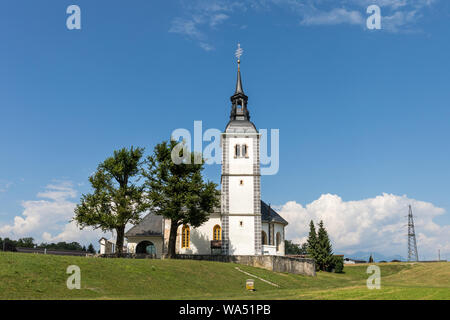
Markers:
(278, 241)
(245, 151)
(263, 237)
(241, 223)
(217, 232)
(185, 236)
(241, 182)
(237, 151)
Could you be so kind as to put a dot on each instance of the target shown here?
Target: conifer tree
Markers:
(312, 241)
(324, 249)
(91, 248)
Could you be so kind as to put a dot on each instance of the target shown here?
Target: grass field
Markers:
(31, 276)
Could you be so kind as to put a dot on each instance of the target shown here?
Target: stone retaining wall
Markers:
(302, 266)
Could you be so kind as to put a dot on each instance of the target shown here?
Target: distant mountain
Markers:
(377, 257)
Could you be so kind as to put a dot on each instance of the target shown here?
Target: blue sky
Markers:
(360, 112)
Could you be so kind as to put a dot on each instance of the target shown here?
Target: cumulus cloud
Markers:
(48, 219)
(374, 225)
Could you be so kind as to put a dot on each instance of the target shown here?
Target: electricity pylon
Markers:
(412, 245)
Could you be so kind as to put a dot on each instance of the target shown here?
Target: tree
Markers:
(304, 248)
(312, 241)
(338, 264)
(324, 251)
(118, 197)
(91, 248)
(178, 191)
(25, 242)
(370, 258)
(8, 245)
(294, 248)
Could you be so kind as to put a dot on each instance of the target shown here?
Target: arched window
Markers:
(263, 237)
(217, 232)
(278, 241)
(237, 151)
(245, 151)
(185, 236)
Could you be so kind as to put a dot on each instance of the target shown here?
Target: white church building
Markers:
(244, 224)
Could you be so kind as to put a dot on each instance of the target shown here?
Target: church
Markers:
(244, 224)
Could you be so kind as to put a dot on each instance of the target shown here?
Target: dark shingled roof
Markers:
(151, 225)
(271, 216)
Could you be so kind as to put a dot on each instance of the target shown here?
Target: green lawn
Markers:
(31, 276)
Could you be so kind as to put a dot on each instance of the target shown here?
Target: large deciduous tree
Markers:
(177, 191)
(118, 196)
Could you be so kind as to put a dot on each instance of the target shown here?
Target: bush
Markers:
(338, 263)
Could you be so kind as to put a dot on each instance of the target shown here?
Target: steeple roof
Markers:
(239, 88)
(239, 100)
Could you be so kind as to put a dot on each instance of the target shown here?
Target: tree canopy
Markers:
(177, 190)
(117, 197)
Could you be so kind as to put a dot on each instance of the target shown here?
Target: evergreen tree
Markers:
(91, 248)
(370, 258)
(325, 259)
(177, 191)
(312, 242)
(118, 197)
(293, 248)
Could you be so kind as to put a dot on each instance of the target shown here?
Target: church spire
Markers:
(239, 88)
(239, 99)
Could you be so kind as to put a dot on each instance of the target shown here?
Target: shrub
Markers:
(338, 263)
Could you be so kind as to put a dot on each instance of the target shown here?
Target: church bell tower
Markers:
(241, 179)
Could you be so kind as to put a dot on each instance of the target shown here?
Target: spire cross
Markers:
(239, 52)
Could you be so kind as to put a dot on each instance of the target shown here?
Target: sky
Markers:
(362, 114)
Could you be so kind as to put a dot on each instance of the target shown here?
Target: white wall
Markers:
(242, 238)
(241, 196)
(134, 241)
(200, 237)
(278, 227)
(240, 165)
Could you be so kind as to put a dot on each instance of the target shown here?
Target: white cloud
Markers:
(186, 27)
(217, 19)
(203, 17)
(375, 225)
(50, 215)
(335, 16)
(5, 185)
(399, 21)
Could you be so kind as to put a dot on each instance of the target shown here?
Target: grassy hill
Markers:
(30, 276)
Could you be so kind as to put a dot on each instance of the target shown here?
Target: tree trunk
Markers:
(119, 241)
(172, 239)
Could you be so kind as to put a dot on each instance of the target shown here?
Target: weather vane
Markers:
(239, 52)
